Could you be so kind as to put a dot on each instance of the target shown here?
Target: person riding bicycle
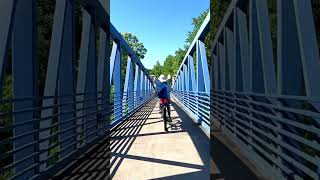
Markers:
(164, 95)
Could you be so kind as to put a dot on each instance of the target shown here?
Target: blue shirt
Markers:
(162, 86)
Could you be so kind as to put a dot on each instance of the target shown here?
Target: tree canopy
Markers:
(135, 44)
(196, 22)
(172, 62)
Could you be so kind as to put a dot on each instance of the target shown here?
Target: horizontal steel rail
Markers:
(42, 133)
(194, 91)
(264, 93)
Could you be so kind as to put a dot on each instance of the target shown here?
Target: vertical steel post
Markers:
(203, 81)
(192, 84)
(117, 84)
(141, 96)
(24, 75)
(87, 81)
(7, 16)
(137, 85)
(128, 87)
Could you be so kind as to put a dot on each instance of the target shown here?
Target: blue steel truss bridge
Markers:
(247, 107)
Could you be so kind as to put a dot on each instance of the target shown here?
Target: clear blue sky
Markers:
(161, 25)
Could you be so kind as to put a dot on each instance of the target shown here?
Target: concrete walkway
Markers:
(141, 149)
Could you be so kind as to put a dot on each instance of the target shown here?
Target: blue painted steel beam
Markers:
(61, 55)
(117, 37)
(117, 84)
(137, 82)
(142, 86)
(66, 78)
(308, 47)
(202, 68)
(192, 79)
(87, 82)
(252, 76)
(128, 85)
(98, 9)
(103, 84)
(24, 74)
(114, 51)
(221, 70)
(202, 32)
(261, 29)
(215, 69)
(243, 66)
(7, 8)
(229, 40)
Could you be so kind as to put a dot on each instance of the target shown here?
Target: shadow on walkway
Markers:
(201, 143)
(224, 163)
(180, 154)
(98, 163)
(124, 135)
(94, 164)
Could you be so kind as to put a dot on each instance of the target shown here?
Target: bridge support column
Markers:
(117, 80)
(203, 80)
(87, 82)
(128, 88)
(192, 86)
(104, 79)
(137, 85)
(20, 24)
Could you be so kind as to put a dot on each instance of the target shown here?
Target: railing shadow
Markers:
(97, 162)
(224, 163)
(186, 176)
(124, 136)
(229, 165)
(200, 141)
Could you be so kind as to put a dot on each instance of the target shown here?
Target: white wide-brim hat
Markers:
(163, 78)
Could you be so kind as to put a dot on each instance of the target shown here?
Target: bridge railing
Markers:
(137, 88)
(42, 133)
(265, 92)
(191, 90)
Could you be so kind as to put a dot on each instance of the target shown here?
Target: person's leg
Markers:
(169, 111)
(164, 112)
(165, 119)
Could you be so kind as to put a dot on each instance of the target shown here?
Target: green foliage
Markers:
(135, 44)
(173, 62)
(7, 175)
(7, 94)
(217, 11)
(157, 69)
(45, 11)
(196, 22)
(316, 13)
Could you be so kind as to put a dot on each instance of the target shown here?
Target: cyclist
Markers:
(164, 96)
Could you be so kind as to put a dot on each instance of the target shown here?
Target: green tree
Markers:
(196, 22)
(173, 62)
(135, 44)
(157, 69)
(316, 13)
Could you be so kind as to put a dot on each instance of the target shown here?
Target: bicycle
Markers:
(165, 107)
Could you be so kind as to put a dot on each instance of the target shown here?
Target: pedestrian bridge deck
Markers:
(148, 152)
(141, 149)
